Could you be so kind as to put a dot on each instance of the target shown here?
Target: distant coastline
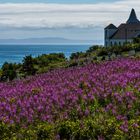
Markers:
(48, 41)
(15, 53)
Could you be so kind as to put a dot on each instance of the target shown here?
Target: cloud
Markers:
(73, 21)
(43, 15)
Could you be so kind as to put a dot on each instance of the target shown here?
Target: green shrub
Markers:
(28, 66)
(45, 132)
(8, 72)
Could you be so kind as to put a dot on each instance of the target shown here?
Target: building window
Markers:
(111, 43)
(115, 43)
(119, 43)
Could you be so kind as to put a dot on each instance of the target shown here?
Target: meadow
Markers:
(96, 101)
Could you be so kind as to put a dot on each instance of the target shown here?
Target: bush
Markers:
(8, 72)
(28, 66)
(77, 55)
(45, 131)
(102, 52)
(93, 48)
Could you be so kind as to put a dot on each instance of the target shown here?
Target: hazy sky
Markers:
(57, 1)
(72, 19)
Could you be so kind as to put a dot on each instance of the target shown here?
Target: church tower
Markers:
(132, 18)
(109, 31)
(124, 33)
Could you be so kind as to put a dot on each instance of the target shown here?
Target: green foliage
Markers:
(100, 125)
(77, 55)
(47, 62)
(45, 132)
(8, 72)
(28, 66)
(93, 48)
(31, 66)
(136, 40)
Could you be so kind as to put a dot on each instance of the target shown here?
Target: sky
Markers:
(56, 1)
(71, 19)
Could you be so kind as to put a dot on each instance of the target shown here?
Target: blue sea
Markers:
(16, 53)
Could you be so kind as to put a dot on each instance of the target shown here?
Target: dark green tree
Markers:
(77, 55)
(136, 40)
(28, 66)
(93, 48)
(8, 72)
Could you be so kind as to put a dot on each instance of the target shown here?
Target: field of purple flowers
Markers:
(96, 101)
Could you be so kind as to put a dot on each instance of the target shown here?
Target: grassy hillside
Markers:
(92, 95)
(95, 101)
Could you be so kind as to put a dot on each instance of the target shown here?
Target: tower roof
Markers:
(111, 26)
(132, 18)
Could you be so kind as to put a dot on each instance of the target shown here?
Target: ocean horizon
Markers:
(15, 53)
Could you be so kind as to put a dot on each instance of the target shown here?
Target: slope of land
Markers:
(95, 101)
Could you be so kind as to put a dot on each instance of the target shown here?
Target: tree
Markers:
(8, 72)
(136, 40)
(28, 66)
(93, 48)
(77, 55)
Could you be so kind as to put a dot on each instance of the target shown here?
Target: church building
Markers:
(126, 32)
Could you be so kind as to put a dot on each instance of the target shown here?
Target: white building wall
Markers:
(109, 32)
(113, 42)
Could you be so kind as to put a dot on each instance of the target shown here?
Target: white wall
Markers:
(112, 42)
(109, 32)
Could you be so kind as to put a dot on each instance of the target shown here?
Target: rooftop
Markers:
(132, 18)
(111, 26)
(128, 31)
